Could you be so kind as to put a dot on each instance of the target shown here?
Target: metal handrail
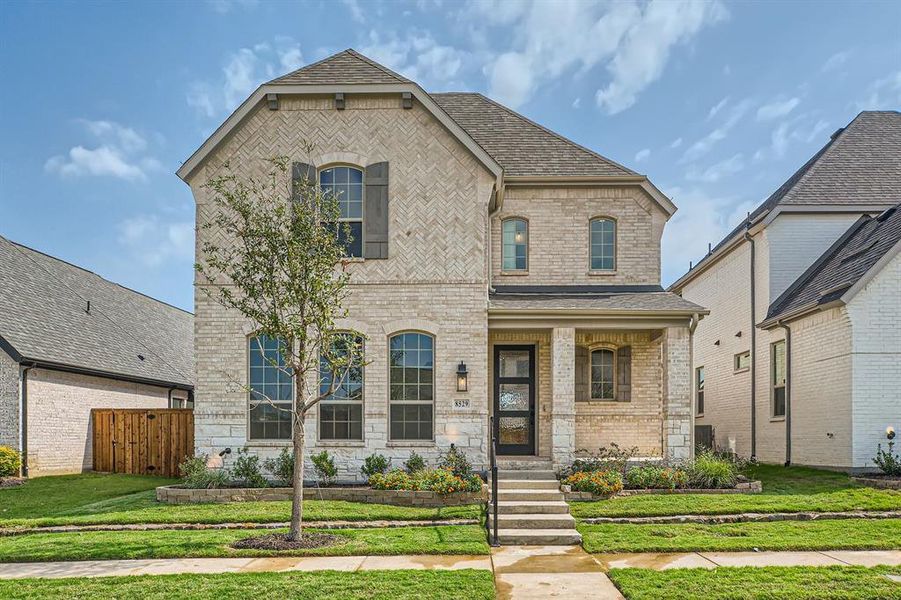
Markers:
(489, 519)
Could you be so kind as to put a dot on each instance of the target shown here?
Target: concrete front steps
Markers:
(531, 509)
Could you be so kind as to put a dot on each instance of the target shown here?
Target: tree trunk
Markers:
(298, 440)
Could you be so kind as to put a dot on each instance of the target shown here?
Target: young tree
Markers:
(272, 254)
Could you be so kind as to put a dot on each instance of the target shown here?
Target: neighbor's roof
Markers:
(348, 66)
(521, 146)
(595, 298)
(856, 255)
(860, 166)
(44, 318)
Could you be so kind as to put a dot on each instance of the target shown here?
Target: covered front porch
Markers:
(568, 374)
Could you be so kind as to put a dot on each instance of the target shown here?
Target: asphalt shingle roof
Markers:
(521, 146)
(843, 264)
(43, 316)
(348, 67)
(626, 298)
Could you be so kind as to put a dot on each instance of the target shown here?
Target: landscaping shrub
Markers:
(396, 479)
(10, 462)
(710, 471)
(246, 471)
(456, 462)
(415, 463)
(324, 464)
(888, 462)
(440, 480)
(656, 478)
(282, 467)
(599, 483)
(375, 463)
(195, 474)
(613, 458)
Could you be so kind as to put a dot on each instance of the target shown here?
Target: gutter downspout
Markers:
(750, 239)
(488, 241)
(788, 393)
(692, 325)
(23, 412)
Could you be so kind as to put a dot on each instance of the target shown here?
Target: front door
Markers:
(514, 399)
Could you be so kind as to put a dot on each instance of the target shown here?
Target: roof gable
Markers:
(348, 67)
(44, 318)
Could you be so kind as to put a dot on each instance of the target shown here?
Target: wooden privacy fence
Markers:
(142, 441)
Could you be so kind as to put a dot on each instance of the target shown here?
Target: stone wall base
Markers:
(883, 483)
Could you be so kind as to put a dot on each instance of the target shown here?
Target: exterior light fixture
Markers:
(462, 377)
(518, 237)
(890, 432)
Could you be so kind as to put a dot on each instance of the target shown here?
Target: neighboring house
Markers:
(71, 341)
(484, 244)
(844, 365)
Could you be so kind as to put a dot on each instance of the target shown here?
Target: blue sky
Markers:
(717, 102)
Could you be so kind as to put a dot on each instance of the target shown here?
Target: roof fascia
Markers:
(593, 313)
(819, 208)
(54, 366)
(257, 96)
(582, 181)
(10, 350)
(801, 311)
(871, 272)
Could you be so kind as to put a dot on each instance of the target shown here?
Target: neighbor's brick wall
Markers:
(9, 401)
(59, 416)
(875, 315)
(558, 235)
(435, 278)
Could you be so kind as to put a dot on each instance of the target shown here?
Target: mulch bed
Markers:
(10, 482)
(280, 541)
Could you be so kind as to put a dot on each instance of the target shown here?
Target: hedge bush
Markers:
(656, 478)
(599, 483)
(440, 480)
(10, 462)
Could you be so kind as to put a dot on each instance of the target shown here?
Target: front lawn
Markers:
(758, 583)
(96, 499)
(794, 489)
(108, 545)
(466, 584)
(851, 534)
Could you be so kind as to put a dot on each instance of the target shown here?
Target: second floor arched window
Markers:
(515, 251)
(602, 244)
(346, 184)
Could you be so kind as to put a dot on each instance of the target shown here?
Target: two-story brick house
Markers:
(487, 249)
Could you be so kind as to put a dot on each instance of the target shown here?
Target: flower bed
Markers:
(173, 494)
(750, 487)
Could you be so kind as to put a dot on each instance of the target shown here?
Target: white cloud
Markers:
(836, 61)
(117, 154)
(800, 129)
(551, 39)
(417, 56)
(717, 108)
(676, 143)
(706, 143)
(577, 103)
(883, 94)
(153, 241)
(717, 171)
(226, 6)
(642, 154)
(777, 109)
(244, 70)
(356, 12)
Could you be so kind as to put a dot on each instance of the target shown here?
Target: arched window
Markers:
(341, 413)
(602, 386)
(411, 382)
(346, 184)
(602, 234)
(515, 245)
(271, 390)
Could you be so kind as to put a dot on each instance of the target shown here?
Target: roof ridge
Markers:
(379, 66)
(346, 52)
(21, 250)
(549, 131)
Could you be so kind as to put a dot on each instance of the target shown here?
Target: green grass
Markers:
(466, 584)
(109, 545)
(794, 489)
(95, 499)
(851, 534)
(759, 583)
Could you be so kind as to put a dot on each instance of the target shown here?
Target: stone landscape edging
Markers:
(743, 518)
(751, 487)
(172, 494)
(882, 483)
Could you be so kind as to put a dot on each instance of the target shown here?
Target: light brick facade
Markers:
(436, 281)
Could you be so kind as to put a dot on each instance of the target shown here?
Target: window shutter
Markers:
(301, 172)
(624, 374)
(375, 211)
(583, 367)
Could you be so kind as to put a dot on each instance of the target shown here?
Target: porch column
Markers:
(563, 394)
(677, 429)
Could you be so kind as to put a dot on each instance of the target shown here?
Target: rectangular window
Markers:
(341, 413)
(271, 390)
(778, 372)
(741, 362)
(602, 241)
(699, 393)
(411, 386)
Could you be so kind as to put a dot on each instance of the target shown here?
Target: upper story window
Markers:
(341, 412)
(699, 390)
(271, 390)
(346, 184)
(602, 382)
(777, 351)
(515, 245)
(411, 381)
(602, 240)
(741, 362)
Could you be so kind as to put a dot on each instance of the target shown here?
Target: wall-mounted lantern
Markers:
(890, 432)
(462, 377)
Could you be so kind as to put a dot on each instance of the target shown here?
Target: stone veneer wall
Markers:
(180, 495)
(59, 416)
(434, 281)
(9, 401)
